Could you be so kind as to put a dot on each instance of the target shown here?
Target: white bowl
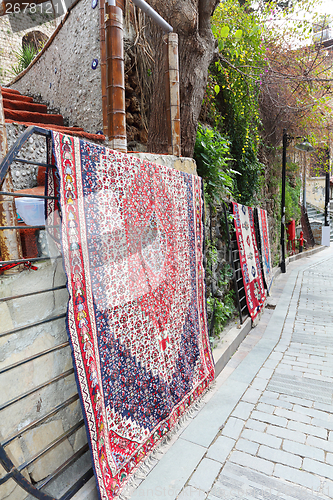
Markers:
(31, 210)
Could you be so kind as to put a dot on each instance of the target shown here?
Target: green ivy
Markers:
(212, 154)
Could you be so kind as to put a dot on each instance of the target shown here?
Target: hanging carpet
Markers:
(249, 258)
(132, 243)
(266, 260)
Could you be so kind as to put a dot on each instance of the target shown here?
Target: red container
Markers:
(291, 228)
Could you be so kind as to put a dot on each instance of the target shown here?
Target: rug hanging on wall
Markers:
(266, 259)
(132, 242)
(249, 258)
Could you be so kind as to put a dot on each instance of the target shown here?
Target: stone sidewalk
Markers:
(265, 431)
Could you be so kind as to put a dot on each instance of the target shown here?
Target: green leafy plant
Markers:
(24, 57)
(224, 310)
(212, 154)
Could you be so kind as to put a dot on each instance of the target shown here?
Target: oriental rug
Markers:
(132, 243)
(249, 258)
(266, 260)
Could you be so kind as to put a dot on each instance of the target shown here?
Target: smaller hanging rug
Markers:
(265, 248)
(249, 258)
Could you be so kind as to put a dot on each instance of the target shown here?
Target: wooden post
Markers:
(115, 78)
(10, 242)
(172, 92)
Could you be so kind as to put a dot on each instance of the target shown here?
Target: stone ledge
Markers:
(231, 342)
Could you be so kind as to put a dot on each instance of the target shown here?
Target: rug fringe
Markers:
(155, 456)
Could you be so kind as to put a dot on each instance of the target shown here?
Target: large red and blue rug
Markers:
(132, 243)
(249, 258)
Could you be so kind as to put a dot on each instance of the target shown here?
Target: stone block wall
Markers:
(316, 227)
(63, 76)
(315, 191)
(12, 29)
(21, 345)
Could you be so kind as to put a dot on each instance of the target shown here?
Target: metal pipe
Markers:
(283, 201)
(30, 325)
(103, 65)
(35, 356)
(65, 466)
(38, 164)
(34, 259)
(154, 15)
(37, 388)
(40, 420)
(50, 446)
(14, 297)
(10, 241)
(115, 78)
(8, 193)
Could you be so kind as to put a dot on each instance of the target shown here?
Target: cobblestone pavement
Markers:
(266, 430)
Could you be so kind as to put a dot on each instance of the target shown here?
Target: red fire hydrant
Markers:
(301, 242)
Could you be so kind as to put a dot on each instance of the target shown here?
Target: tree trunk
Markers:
(191, 20)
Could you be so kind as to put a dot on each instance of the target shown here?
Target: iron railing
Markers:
(15, 471)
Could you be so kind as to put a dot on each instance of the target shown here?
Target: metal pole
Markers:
(327, 199)
(283, 201)
(304, 180)
(153, 14)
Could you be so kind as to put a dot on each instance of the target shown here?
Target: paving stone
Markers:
(284, 433)
(279, 456)
(205, 474)
(318, 468)
(252, 395)
(243, 410)
(307, 429)
(233, 428)
(304, 450)
(276, 402)
(292, 415)
(221, 448)
(297, 476)
(265, 373)
(262, 438)
(266, 408)
(259, 383)
(252, 462)
(247, 446)
(256, 425)
(191, 493)
(270, 419)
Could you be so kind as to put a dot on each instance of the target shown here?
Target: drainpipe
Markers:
(172, 92)
(103, 67)
(10, 242)
(115, 77)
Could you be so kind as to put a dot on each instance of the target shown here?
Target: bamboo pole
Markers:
(172, 92)
(10, 242)
(115, 78)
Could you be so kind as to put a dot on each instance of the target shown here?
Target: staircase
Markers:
(22, 109)
(314, 213)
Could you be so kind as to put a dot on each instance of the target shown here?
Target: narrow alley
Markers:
(266, 428)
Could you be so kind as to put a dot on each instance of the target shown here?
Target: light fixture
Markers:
(305, 146)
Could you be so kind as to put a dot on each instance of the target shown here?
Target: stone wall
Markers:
(12, 29)
(315, 191)
(21, 345)
(63, 77)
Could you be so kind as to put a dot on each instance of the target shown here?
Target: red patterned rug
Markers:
(249, 258)
(132, 242)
